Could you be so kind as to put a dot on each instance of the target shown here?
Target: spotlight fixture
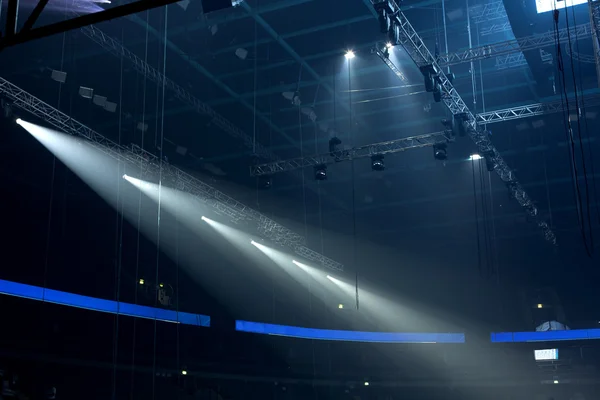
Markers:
(184, 372)
(321, 172)
(439, 151)
(141, 281)
(340, 306)
(18, 121)
(265, 182)
(366, 383)
(377, 163)
(389, 45)
(475, 157)
(349, 55)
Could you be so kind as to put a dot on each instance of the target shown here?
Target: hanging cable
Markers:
(569, 132)
(139, 213)
(586, 127)
(118, 234)
(160, 177)
(352, 171)
(476, 219)
(445, 29)
(581, 146)
(473, 76)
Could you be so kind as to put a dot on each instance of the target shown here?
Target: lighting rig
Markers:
(151, 164)
(375, 151)
(393, 21)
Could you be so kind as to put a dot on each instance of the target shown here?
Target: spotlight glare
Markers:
(125, 176)
(141, 281)
(349, 55)
(204, 219)
(366, 383)
(340, 306)
(389, 45)
(184, 372)
(475, 157)
(18, 121)
(540, 306)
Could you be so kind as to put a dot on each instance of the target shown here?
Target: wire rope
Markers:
(160, 177)
(139, 214)
(118, 234)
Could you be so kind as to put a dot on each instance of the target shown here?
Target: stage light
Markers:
(389, 45)
(366, 383)
(349, 55)
(254, 243)
(540, 306)
(18, 121)
(555, 381)
(439, 151)
(203, 218)
(141, 281)
(125, 176)
(377, 163)
(161, 285)
(475, 157)
(340, 306)
(321, 172)
(265, 182)
(184, 372)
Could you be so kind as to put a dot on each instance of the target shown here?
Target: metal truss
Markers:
(488, 12)
(530, 110)
(492, 29)
(117, 49)
(518, 60)
(399, 145)
(27, 33)
(385, 56)
(394, 146)
(579, 57)
(594, 6)
(422, 57)
(514, 46)
(222, 203)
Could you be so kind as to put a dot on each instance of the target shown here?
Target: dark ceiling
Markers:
(244, 62)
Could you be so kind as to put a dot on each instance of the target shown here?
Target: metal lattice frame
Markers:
(518, 60)
(221, 202)
(116, 48)
(394, 146)
(513, 46)
(530, 110)
(385, 57)
(420, 54)
(492, 29)
(488, 12)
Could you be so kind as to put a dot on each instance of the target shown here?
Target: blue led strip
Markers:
(108, 306)
(545, 336)
(350, 336)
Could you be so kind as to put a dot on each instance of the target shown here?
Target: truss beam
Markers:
(530, 110)
(513, 46)
(393, 146)
(385, 57)
(518, 60)
(422, 57)
(81, 21)
(222, 203)
(488, 12)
